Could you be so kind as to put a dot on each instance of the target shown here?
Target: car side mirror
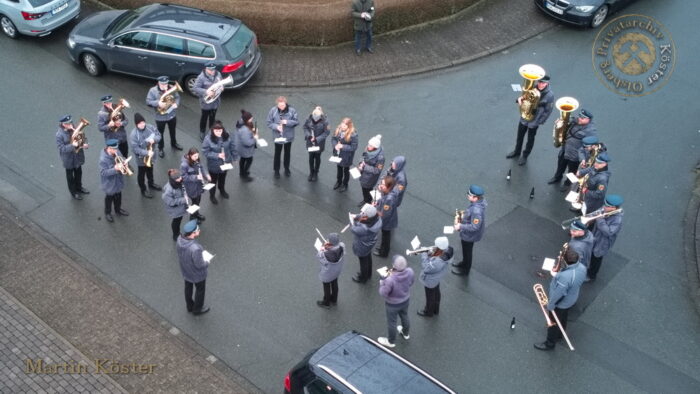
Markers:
(110, 44)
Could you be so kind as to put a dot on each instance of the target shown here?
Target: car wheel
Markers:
(599, 16)
(189, 84)
(93, 65)
(8, 27)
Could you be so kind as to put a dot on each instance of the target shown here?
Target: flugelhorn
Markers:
(117, 112)
(168, 99)
(565, 105)
(78, 135)
(125, 170)
(543, 301)
(530, 96)
(585, 219)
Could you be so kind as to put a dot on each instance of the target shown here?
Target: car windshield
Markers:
(239, 42)
(38, 3)
(123, 20)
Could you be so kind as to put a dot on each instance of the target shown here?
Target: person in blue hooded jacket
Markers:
(365, 228)
(330, 258)
(434, 264)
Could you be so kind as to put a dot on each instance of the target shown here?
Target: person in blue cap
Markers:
(398, 171)
(471, 228)
(143, 139)
(591, 146)
(581, 241)
(194, 267)
(605, 232)
(112, 179)
(113, 129)
(72, 157)
(169, 118)
(175, 200)
(597, 185)
(542, 112)
(579, 128)
(205, 79)
(282, 119)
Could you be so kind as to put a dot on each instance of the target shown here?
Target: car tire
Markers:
(599, 16)
(8, 27)
(92, 64)
(188, 82)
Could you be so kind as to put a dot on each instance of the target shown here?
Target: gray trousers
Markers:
(392, 312)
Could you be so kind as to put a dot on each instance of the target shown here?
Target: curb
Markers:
(691, 243)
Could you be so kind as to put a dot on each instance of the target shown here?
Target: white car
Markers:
(36, 17)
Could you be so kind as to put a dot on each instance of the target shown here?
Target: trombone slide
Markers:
(563, 332)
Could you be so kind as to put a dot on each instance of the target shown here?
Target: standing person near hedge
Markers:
(362, 16)
(371, 168)
(316, 130)
(434, 264)
(331, 258)
(194, 179)
(245, 143)
(218, 148)
(344, 142)
(282, 119)
(175, 200)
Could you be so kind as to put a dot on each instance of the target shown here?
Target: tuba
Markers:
(566, 105)
(168, 99)
(79, 135)
(117, 112)
(530, 96)
(215, 90)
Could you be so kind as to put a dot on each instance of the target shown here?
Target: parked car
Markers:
(354, 363)
(36, 17)
(165, 39)
(581, 12)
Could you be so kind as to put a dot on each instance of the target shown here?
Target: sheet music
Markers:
(572, 196)
(355, 173)
(192, 209)
(280, 140)
(226, 167)
(351, 217)
(207, 256)
(335, 159)
(516, 87)
(572, 177)
(208, 186)
(262, 143)
(313, 148)
(415, 243)
(376, 194)
(548, 264)
(318, 244)
(448, 230)
(383, 272)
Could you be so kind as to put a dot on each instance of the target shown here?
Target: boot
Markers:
(512, 155)
(213, 199)
(337, 185)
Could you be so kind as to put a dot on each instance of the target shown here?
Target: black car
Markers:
(354, 363)
(165, 39)
(581, 12)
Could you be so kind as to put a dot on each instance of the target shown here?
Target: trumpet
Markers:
(78, 135)
(585, 219)
(530, 96)
(543, 301)
(117, 112)
(148, 160)
(125, 170)
(429, 250)
(167, 99)
(458, 216)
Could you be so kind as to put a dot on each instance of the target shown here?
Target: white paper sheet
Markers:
(313, 148)
(448, 230)
(376, 194)
(335, 159)
(383, 272)
(572, 196)
(548, 264)
(516, 87)
(351, 217)
(208, 186)
(355, 173)
(207, 256)
(318, 244)
(280, 140)
(320, 235)
(415, 243)
(261, 143)
(572, 177)
(226, 167)
(192, 209)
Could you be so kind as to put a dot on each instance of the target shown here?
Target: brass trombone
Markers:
(543, 301)
(585, 219)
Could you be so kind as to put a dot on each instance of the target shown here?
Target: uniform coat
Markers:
(605, 233)
(318, 129)
(193, 186)
(331, 263)
(104, 116)
(347, 152)
(139, 146)
(544, 109)
(192, 264)
(275, 117)
(201, 84)
(374, 164)
(66, 150)
(358, 7)
(435, 267)
(387, 208)
(596, 186)
(472, 225)
(564, 288)
(365, 235)
(153, 99)
(399, 175)
(244, 142)
(175, 202)
(111, 180)
(583, 246)
(574, 138)
(211, 151)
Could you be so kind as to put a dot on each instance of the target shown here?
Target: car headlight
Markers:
(71, 43)
(584, 8)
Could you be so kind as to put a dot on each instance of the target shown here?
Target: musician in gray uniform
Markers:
(218, 148)
(542, 112)
(281, 120)
(388, 211)
(589, 144)
(579, 128)
(605, 232)
(194, 268)
(371, 168)
(175, 201)
(112, 180)
(434, 264)
(113, 129)
(316, 131)
(194, 177)
(245, 144)
(169, 118)
(581, 241)
(397, 170)
(205, 79)
(143, 136)
(471, 228)
(72, 161)
(597, 184)
(344, 143)
(564, 289)
(365, 228)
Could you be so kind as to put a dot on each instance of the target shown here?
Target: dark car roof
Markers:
(171, 17)
(369, 367)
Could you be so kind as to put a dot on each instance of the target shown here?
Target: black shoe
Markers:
(337, 186)
(314, 176)
(323, 304)
(460, 272)
(358, 279)
(201, 136)
(311, 177)
(577, 211)
(155, 186)
(122, 212)
(109, 217)
(287, 172)
(512, 155)
(77, 196)
(522, 161)
(146, 193)
(176, 146)
(358, 52)
(460, 264)
(554, 180)
(370, 50)
(544, 346)
(83, 191)
(343, 188)
(421, 312)
(376, 252)
(161, 154)
(201, 217)
(201, 312)
(248, 178)
(224, 194)
(213, 199)
(277, 175)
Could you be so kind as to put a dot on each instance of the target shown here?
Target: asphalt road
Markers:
(637, 332)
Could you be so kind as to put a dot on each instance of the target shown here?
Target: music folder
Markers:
(572, 177)
(313, 148)
(548, 264)
(383, 272)
(280, 140)
(208, 186)
(207, 256)
(355, 173)
(192, 209)
(448, 230)
(572, 196)
(335, 159)
(226, 166)
(318, 244)
(261, 142)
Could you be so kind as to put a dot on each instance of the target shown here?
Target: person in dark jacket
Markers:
(72, 160)
(112, 179)
(316, 130)
(282, 119)
(435, 265)
(362, 16)
(344, 142)
(396, 290)
(169, 118)
(605, 232)
(219, 149)
(564, 289)
(471, 228)
(580, 127)
(246, 143)
(205, 79)
(175, 201)
(194, 178)
(542, 112)
(365, 228)
(388, 211)
(194, 268)
(143, 139)
(331, 258)
(371, 168)
(397, 170)
(597, 185)
(113, 129)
